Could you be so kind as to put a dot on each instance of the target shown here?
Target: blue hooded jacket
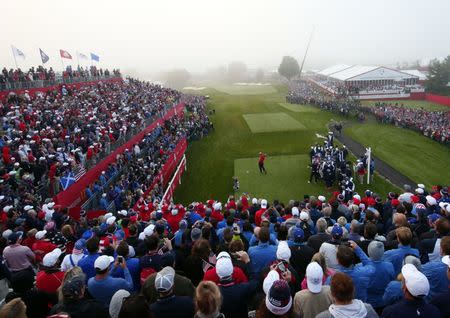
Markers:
(397, 255)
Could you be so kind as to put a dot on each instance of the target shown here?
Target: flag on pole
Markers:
(44, 57)
(82, 56)
(95, 57)
(67, 180)
(17, 53)
(65, 54)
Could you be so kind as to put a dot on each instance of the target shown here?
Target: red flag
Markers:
(65, 54)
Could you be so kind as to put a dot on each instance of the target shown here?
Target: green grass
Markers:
(245, 89)
(271, 122)
(211, 161)
(418, 157)
(296, 108)
(412, 104)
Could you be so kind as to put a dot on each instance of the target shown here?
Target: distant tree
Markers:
(177, 78)
(439, 76)
(259, 76)
(236, 71)
(289, 67)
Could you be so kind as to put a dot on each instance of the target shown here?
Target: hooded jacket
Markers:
(357, 309)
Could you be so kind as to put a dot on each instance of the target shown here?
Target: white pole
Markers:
(369, 151)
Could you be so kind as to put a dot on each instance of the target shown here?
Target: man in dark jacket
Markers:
(316, 240)
(167, 304)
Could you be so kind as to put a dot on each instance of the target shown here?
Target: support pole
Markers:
(369, 155)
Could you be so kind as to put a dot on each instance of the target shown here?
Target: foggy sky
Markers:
(152, 35)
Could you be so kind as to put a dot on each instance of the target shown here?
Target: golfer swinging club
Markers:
(262, 157)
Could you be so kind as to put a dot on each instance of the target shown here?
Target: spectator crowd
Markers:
(355, 255)
(432, 124)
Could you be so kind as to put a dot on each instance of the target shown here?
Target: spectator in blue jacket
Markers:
(436, 271)
(382, 276)
(393, 292)
(103, 286)
(87, 263)
(360, 274)
(415, 288)
(123, 250)
(262, 254)
(442, 301)
(396, 256)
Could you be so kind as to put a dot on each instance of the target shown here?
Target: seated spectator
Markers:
(208, 301)
(316, 298)
(344, 305)
(102, 287)
(415, 288)
(169, 305)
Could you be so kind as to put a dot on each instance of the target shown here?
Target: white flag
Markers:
(17, 53)
(82, 56)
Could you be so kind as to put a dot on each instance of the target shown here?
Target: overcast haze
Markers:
(156, 35)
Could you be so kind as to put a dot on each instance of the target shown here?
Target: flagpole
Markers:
(14, 55)
(78, 60)
(62, 63)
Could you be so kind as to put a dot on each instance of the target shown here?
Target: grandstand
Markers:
(370, 82)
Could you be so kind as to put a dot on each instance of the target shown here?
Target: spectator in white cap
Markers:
(116, 302)
(260, 212)
(50, 277)
(102, 287)
(168, 304)
(415, 287)
(316, 298)
(278, 301)
(292, 221)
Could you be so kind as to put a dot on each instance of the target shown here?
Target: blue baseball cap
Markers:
(87, 235)
(297, 234)
(80, 244)
(120, 235)
(434, 217)
(337, 231)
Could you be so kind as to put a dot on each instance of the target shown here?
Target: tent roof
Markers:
(333, 69)
(417, 73)
(353, 71)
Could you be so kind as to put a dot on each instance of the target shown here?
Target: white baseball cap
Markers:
(40, 235)
(111, 220)
(103, 262)
(314, 276)
(271, 277)
(123, 212)
(283, 251)
(254, 201)
(264, 203)
(431, 200)
(304, 216)
(224, 266)
(51, 258)
(165, 279)
(416, 282)
(321, 198)
(295, 211)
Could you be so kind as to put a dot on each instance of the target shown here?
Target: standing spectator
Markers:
(262, 254)
(75, 303)
(396, 256)
(329, 249)
(316, 298)
(18, 257)
(16, 308)
(208, 301)
(102, 287)
(316, 240)
(87, 263)
(278, 302)
(442, 301)
(169, 305)
(50, 278)
(342, 290)
(71, 260)
(415, 287)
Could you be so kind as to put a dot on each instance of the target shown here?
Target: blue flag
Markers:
(44, 57)
(67, 180)
(95, 57)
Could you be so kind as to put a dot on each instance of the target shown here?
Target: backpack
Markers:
(145, 273)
